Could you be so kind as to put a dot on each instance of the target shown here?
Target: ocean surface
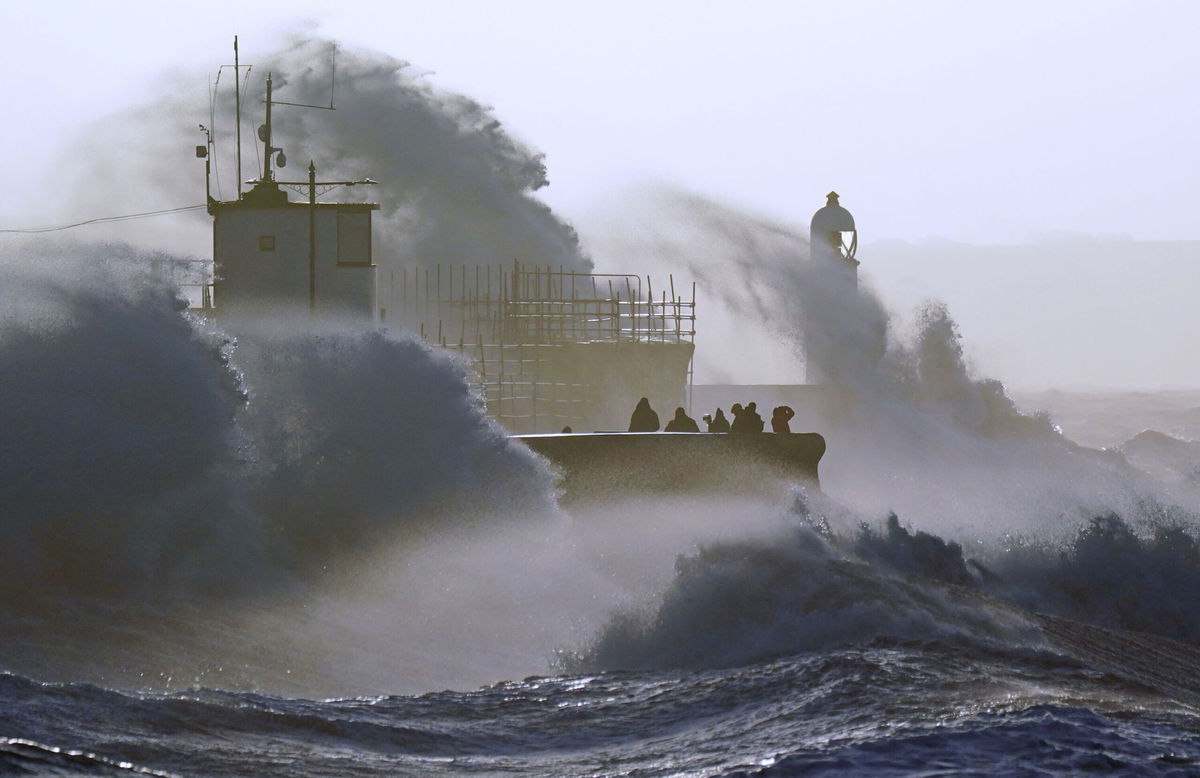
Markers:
(798, 656)
(303, 552)
(1075, 699)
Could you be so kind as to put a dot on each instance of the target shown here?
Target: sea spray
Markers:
(117, 434)
(915, 430)
(454, 185)
(894, 653)
(360, 436)
(148, 455)
(978, 496)
(824, 584)
(805, 588)
(1111, 575)
(339, 517)
(317, 477)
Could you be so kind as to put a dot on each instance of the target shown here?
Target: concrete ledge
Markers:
(607, 464)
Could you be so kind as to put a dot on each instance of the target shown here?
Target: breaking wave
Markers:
(145, 454)
(813, 588)
(992, 513)
(454, 184)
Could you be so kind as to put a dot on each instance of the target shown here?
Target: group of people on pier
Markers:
(745, 419)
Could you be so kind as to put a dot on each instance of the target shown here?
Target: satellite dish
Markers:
(281, 160)
(262, 132)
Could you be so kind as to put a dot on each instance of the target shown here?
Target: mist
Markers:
(340, 495)
(454, 186)
(915, 429)
(295, 506)
(150, 454)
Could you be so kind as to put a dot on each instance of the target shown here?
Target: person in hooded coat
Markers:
(780, 418)
(681, 423)
(740, 418)
(644, 419)
(719, 423)
(754, 422)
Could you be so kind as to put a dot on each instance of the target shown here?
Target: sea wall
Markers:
(601, 466)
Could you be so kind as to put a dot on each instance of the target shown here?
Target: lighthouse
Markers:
(833, 241)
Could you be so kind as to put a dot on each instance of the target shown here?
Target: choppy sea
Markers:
(1088, 701)
(303, 552)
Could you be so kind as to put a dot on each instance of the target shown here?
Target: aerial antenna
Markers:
(202, 152)
(211, 144)
(264, 132)
(332, 83)
(237, 97)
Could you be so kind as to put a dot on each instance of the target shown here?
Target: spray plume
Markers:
(1007, 506)
(454, 185)
(252, 463)
(145, 454)
(914, 430)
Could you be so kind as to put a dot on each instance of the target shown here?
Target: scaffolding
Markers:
(549, 348)
(546, 348)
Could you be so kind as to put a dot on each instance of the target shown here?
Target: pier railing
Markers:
(514, 304)
(536, 337)
(530, 332)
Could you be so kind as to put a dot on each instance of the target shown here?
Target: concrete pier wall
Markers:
(603, 466)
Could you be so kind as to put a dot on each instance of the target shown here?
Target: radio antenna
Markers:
(332, 84)
(237, 97)
(237, 110)
(332, 74)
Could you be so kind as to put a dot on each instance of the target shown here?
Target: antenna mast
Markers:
(264, 132)
(266, 137)
(237, 96)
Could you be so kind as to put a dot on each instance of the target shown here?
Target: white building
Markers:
(272, 254)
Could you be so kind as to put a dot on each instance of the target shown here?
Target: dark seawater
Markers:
(793, 657)
(884, 708)
(260, 552)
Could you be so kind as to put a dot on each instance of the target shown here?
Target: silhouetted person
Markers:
(780, 418)
(740, 419)
(718, 423)
(681, 423)
(755, 422)
(644, 419)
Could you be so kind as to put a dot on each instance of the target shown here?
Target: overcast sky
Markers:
(982, 122)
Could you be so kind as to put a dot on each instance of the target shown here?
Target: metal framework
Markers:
(526, 329)
(540, 342)
(548, 348)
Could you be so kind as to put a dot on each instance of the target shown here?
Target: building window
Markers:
(354, 238)
(266, 242)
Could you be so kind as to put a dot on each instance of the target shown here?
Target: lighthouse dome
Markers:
(832, 233)
(833, 218)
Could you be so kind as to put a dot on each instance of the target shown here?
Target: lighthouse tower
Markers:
(833, 241)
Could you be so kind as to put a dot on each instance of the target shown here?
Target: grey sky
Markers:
(980, 122)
